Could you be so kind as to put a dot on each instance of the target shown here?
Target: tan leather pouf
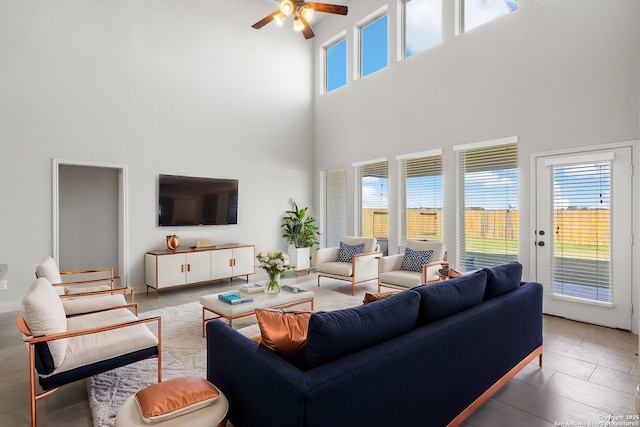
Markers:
(214, 415)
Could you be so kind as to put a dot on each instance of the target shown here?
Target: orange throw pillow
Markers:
(370, 296)
(172, 398)
(283, 332)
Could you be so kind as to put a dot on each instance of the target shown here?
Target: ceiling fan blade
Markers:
(306, 31)
(328, 8)
(264, 21)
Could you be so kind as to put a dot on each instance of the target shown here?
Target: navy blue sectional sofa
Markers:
(428, 356)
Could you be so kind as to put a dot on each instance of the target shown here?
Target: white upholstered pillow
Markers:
(44, 314)
(49, 270)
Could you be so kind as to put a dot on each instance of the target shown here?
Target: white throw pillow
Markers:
(49, 270)
(44, 314)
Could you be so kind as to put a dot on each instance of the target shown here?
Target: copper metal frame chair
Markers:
(66, 349)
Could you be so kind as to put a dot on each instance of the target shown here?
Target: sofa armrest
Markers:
(253, 377)
(390, 263)
(323, 255)
(365, 266)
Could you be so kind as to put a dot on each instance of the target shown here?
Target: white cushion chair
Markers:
(354, 261)
(418, 265)
(66, 349)
(95, 283)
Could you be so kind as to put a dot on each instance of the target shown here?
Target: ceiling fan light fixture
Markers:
(286, 7)
(279, 18)
(298, 25)
(307, 12)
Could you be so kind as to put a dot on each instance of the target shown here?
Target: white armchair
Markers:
(392, 275)
(87, 290)
(360, 267)
(66, 349)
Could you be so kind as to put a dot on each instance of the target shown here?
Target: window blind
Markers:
(335, 206)
(420, 199)
(373, 205)
(488, 205)
(582, 229)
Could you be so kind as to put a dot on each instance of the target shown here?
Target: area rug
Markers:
(183, 353)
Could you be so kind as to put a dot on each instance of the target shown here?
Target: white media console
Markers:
(167, 269)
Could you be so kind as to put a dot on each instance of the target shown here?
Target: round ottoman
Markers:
(213, 415)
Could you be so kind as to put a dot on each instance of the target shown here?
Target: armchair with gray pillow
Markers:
(355, 261)
(417, 266)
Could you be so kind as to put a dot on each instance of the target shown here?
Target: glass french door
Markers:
(583, 235)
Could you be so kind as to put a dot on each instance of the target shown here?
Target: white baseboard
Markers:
(638, 399)
(9, 306)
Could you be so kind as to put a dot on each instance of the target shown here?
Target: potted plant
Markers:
(301, 232)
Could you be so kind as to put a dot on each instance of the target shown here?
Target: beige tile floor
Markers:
(590, 374)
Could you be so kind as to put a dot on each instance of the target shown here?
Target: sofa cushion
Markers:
(407, 279)
(45, 315)
(88, 304)
(337, 268)
(173, 398)
(443, 299)
(337, 333)
(49, 270)
(283, 332)
(414, 260)
(346, 252)
(502, 279)
(370, 243)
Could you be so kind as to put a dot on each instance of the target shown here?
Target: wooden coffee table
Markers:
(211, 304)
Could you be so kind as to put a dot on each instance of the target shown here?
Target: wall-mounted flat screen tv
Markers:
(188, 201)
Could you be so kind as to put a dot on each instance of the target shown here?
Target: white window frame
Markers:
(357, 192)
(357, 37)
(401, 50)
(460, 211)
(324, 226)
(324, 63)
(402, 191)
(460, 18)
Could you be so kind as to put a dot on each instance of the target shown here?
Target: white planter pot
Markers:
(299, 258)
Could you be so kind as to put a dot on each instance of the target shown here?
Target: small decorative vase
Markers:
(172, 242)
(273, 287)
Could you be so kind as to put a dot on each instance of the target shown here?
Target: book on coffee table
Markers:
(251, 288)
(291, 288)
(233, 298)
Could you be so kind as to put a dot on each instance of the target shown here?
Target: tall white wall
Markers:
(174, 87)
(557, 74)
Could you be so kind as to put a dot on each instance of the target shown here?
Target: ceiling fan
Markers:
(302, 12)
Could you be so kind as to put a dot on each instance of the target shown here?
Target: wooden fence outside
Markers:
(578, 227)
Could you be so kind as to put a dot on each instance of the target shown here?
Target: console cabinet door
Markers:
(172, 270)
(221, 264)
(245, 261)
(198, 267)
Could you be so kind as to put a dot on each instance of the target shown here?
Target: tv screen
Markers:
(184, 200)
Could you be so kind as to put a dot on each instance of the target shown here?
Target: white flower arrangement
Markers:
(273, 263)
